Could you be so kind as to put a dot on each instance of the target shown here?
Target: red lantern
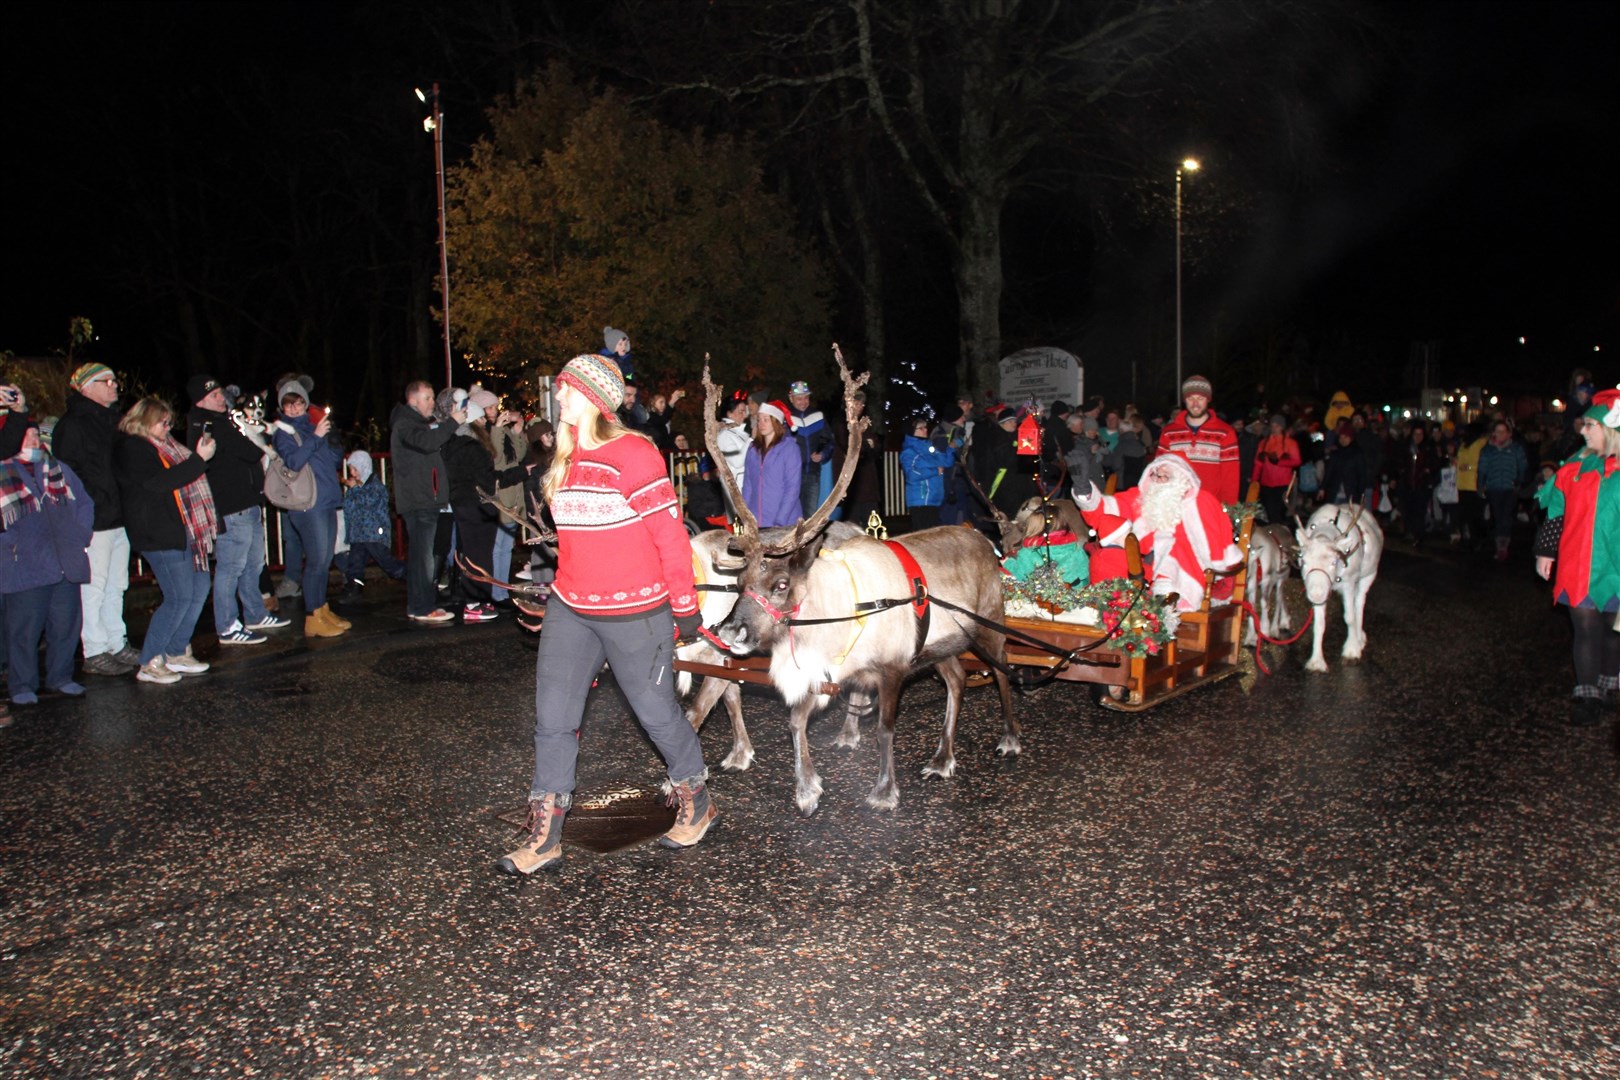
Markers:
(1029, 436)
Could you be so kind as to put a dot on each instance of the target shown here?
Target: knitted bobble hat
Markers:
(1197, 384)
(598, 378)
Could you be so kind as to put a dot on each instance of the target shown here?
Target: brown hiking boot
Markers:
(694, 813)
(542, 847)
(325, 611)
(315, 626)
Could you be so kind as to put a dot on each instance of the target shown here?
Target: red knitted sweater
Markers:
(621, 548)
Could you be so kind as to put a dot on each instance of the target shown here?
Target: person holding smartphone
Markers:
(236, 478)
(299, 442)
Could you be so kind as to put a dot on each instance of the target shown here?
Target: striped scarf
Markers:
(17, 498)
(195, 500)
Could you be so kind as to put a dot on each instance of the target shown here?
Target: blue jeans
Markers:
(292, 551)
(317, 533)
(185, 591)
(501, 570)
(238, 558)
(421, 533)
(49, 610)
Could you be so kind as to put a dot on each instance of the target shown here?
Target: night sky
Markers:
(1469, 197)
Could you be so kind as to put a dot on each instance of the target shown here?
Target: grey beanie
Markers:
(300, 387)
(612, 337)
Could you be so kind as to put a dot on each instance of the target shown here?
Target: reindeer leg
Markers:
(1318, 632)
(807, 785)
(708, 694)
(1354, 611)
(742, 750)
(857, 706)
(943, 764)
(1011, 744)
(886, 792)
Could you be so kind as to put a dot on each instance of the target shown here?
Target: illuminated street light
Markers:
(1188, 165)
(434, 125)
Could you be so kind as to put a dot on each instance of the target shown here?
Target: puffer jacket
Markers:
(1502, 468)
(416, 444)
(922, 463)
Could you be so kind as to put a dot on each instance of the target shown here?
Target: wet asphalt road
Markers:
(1408, 867)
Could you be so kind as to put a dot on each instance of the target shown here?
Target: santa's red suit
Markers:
(1175, 558)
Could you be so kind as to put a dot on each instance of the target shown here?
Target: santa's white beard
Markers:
(1161, 505)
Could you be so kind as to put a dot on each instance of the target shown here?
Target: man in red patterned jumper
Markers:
(1205, 440)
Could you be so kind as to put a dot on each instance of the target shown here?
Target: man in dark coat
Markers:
(84, 439)
(421, 491)
(236, 477)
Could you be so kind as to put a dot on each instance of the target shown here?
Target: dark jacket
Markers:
(236, 474)
(84, 439)
(416, 445)
(147, 489)
(1347, 468)
(47, 545)
(312, 450)
(471, 468)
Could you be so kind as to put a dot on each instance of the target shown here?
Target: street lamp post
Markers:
(434, 125)
(1190, 165)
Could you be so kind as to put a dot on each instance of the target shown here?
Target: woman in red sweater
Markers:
(624, 583)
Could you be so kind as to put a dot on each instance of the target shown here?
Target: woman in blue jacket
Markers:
(1503, 468)
(45, 525)
(300, 442)
(774, 470)
(925, 465)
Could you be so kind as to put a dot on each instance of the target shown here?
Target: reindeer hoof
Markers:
(737, 761)
(884, 801)
(847, 741)
(1009, 746)
(944, 771)
(1314, 664)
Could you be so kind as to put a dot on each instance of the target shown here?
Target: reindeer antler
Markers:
(534, 531)
(747, 524)
(810, 526)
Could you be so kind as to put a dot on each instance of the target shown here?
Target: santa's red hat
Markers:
(1178, 461)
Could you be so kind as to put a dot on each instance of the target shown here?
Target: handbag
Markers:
(289, 489)
(1446, 490)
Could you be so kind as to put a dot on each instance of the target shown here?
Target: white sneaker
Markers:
(524, 574)
(185, 663)
(155, 671)
(269, 622)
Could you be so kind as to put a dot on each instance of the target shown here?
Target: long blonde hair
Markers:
(604, 428)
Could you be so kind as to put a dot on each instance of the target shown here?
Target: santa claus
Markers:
(1182, 530)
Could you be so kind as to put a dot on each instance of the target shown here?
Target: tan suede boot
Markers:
(542, 845)
(325, 610)
(315, 626)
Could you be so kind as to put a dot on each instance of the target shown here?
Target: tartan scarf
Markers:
(195, 500)
(17, 498)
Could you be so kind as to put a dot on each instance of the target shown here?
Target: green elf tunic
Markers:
(1585, 492)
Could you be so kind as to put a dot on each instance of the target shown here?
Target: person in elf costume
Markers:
(1581, 538)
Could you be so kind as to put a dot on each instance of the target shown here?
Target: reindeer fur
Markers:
(1339, 552)
(822, 580)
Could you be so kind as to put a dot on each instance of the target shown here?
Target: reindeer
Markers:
(1338, 556)
(857, 612)
(1271, 555)
(717, 585)
(1038, 515)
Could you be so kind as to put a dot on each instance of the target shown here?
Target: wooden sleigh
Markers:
(1205, 649)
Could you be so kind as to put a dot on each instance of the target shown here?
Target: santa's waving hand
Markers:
(1182, 530)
